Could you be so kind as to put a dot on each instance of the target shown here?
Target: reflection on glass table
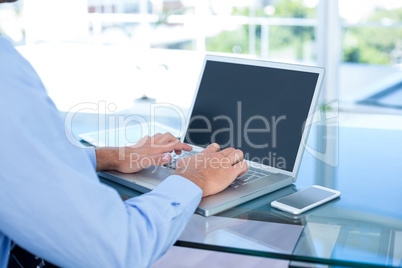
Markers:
(250, 234)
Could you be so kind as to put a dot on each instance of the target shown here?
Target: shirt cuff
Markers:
(181, 191)
(90, 151)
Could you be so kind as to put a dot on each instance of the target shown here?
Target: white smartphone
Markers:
(305, 199)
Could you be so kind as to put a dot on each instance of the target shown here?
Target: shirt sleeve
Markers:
(90, 151)
(52, 203)
(172, 204)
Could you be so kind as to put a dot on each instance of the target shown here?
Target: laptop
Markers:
(257, 106)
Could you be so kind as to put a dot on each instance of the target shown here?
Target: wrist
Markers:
(107, 158)
(193, 178)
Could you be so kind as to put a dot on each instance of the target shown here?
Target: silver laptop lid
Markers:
(260, 107)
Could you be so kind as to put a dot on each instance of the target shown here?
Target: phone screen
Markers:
(305, 197)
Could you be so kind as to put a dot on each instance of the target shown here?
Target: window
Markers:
(366, 33)
(372, 55)
(11, 23)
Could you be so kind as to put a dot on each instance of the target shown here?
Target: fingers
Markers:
(228, 156)
(157, 139)
(184, 147)
(157, 136)
(155, 160)
(163, 143)
(142, 141)
(240, 168)
(226, 152)
(165, 138)
(169, 143)
(212, 148)
(235, 156)
(177, 147)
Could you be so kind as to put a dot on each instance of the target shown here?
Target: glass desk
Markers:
(362, 228)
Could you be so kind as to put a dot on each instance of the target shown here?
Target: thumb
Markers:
(156, 160)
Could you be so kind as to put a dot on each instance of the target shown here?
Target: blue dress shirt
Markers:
(51, 201)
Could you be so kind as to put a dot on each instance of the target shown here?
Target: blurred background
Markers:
(122, 50)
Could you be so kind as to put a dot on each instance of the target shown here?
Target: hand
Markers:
(149, 151)
(212, 170)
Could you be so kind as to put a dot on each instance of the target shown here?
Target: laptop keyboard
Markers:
(251, 176)
(176, 157)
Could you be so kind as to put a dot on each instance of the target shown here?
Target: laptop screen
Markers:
(260, 110)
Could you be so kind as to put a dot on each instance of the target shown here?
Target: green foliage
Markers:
(394, 15)
(361, 44)
(374, 45)
(230, 41)
(294, 37)
(258, 12)
(293, 9)
(282, 38)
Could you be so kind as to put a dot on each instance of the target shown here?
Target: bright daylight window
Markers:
(107, 45)
(372, 55)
